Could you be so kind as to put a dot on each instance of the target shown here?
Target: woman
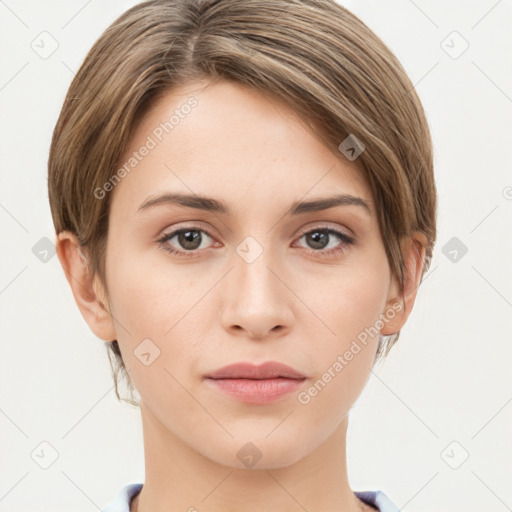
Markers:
(245, 206)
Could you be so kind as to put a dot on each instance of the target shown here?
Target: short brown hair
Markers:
(313, 55)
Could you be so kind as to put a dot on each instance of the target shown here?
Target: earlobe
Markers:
(398, 308)
(84, 289)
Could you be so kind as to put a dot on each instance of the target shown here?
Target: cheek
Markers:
(348, 300)
(149, 293)
(349, 308)
(154, 315)
(155, 322)
(344, 355)
(361, 302)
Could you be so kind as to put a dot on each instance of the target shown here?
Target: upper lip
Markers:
(268, 370)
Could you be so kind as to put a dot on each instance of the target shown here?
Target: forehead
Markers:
(226, 140)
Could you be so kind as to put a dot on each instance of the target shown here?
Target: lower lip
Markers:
(254, 391)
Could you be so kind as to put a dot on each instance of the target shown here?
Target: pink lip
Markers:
(256, 384)
(269, 370)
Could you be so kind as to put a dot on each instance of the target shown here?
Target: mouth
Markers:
(269, 370)
(256, 384)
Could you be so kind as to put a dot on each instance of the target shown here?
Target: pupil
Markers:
(315, 238)
(186, 239)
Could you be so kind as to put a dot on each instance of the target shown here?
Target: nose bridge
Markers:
(254, 259)
(256, 299)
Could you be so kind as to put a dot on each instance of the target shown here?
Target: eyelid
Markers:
(348, 233)
(193, 225)
(303, 231)
(172, 232)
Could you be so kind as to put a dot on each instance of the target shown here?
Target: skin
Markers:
(202, 312)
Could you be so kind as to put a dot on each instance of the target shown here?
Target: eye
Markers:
(189, 238)
(321, 237)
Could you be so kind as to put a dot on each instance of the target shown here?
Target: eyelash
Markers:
(346, 241)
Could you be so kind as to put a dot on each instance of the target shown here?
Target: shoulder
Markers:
(378, 500)
(122, 501)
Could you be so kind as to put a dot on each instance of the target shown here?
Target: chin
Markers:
(255, 451)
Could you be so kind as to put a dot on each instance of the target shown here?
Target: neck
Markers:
(178, 478)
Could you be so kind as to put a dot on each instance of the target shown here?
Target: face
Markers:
(244, 277)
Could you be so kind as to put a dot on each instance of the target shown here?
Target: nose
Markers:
(256, 302)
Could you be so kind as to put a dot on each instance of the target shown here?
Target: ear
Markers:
(89, 296)
(413, 249)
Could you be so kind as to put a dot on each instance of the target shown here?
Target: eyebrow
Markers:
(212, 205)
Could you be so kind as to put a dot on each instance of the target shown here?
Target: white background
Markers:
(447, 380)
